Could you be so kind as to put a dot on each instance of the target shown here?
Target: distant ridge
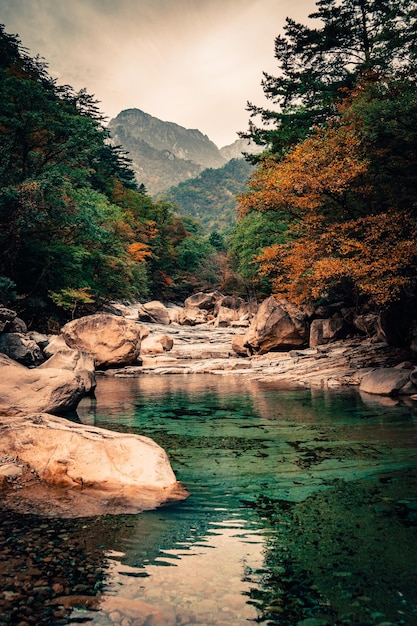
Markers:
(165, 154)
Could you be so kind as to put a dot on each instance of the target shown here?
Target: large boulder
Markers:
(154, 312)
(230, 310)
(277, 326)
(19, 347)
(131, 469)
(389, 381)
(323, 331)
(202, 300)
(56, 343)
(199, 308)
(113, 341)
(193, 315)
(35, 389)
(74, 361)
(238, 345)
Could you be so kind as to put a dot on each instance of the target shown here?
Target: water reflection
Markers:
(303, 512)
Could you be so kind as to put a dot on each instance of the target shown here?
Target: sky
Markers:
(193, 62)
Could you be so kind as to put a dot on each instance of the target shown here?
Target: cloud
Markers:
(193, 62)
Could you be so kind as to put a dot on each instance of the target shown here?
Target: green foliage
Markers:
(254, 232)
(211, 197)
(74, 229)
(7, 291)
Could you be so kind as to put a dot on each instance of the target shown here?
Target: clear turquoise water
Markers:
(301, 506)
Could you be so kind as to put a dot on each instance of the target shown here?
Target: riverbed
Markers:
(302, 512)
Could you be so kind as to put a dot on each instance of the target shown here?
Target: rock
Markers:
(75, 361)
(154, 312)
(138, 611)
(10, 470)
(393, 325)
(327, 310)
(6, 317)
(56, 343)
(193, 315)
(112, 340)
(156, 344)
(238, 345)
(323, 331)
(109, 464)
(17, 325)
(229, 309)
(39, 338)
(202, 300)
(366, 323)
(174, 313)
(385, 381)
(21, 348)
(36, 389)
(277, 326)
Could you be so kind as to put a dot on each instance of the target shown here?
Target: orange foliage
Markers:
(316, 172)
(139, 251)
(376, 253)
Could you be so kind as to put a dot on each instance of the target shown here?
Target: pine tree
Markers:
(317, 65)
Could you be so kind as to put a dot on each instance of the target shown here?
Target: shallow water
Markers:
(303, 510)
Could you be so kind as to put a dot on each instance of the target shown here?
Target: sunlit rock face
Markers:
(74, 360)
(111, 340)
(113, 469)
(52, 390)
(277, 326)
(154, 312)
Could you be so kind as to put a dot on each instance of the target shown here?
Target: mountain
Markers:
(163, 153)
(211, 196)
(238, 148)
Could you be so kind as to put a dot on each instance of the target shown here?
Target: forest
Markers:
(76, 229)
(329, 213)
(334, 193)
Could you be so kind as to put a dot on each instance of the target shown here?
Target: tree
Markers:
(74, 229)
(353, 228)
(354, 38)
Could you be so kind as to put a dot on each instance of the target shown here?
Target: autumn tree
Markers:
(351, 191)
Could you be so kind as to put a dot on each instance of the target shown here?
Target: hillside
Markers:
(163, 153)
(211, 196)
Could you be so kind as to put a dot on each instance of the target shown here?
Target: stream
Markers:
(302, 512)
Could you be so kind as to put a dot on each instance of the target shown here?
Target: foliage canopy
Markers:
(75, 230)
(340, 169)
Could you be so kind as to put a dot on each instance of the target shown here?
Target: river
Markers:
(302, 512)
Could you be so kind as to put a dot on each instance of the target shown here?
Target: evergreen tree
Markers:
(317, 65)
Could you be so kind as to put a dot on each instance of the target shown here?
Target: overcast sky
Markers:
(193, 62)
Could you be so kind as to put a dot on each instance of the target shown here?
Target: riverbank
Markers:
(208, 350)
